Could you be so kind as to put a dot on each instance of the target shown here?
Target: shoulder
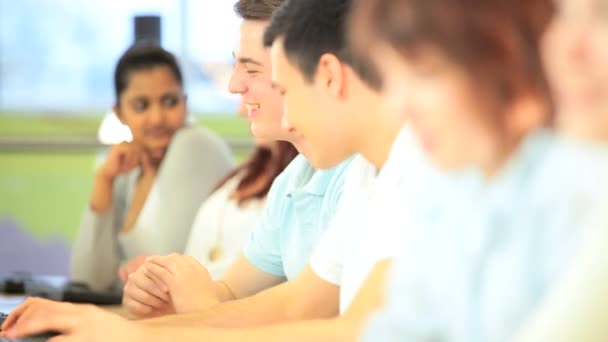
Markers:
(195, 147)
(123, 184)
(574, 170)
(297, 165)
(359, 172)
(196, 136)
(291, 173)
(349, 171)
(276, 201)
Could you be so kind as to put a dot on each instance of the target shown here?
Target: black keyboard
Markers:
(56, 288)
(74, 293)
(14, 283)
(37, 338)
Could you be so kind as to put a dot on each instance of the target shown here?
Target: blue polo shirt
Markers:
(299, 206)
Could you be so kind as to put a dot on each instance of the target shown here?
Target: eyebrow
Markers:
(246, 60)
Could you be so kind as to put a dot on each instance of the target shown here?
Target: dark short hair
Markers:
(311, 28)
(256, 9)
(495, 41)
(143, 56)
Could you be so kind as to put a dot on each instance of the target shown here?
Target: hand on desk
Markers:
(169, 284)
(144, 297)
(130, 267)
(74, 322)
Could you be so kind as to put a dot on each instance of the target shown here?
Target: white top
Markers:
(221, 228)
(363, 232)
(577, 309)
(479, 264)
(195, 161)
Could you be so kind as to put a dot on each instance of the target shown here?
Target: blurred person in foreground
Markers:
(478, 266)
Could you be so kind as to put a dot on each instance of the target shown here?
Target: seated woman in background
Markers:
(576, 55)
(147, 192)
(225, 220)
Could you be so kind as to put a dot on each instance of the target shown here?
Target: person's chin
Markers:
(157, 150)
(261, 135)
(263, 142)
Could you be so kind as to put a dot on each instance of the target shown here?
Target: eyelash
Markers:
(166, 102)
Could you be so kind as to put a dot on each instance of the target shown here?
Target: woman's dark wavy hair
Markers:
(143, 55)
(262, 164)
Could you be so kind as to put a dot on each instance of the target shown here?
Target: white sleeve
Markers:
(577, 308)
(387, 225)
(195, 162)
(345, 229)
(327, 259)
(95, 253)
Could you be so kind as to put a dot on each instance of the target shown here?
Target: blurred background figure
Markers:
(576, 54)
(146, 192)
(526, 222)
(56, 65)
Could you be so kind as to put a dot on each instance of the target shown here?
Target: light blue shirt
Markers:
(300, 204)
(479, 263)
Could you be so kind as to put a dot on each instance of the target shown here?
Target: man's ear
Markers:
(330, 74)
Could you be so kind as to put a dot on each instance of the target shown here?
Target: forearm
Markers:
(330, 330)
(264, 308)
(305, 298)
(101, 196)
(95, 256)
(223, 291)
